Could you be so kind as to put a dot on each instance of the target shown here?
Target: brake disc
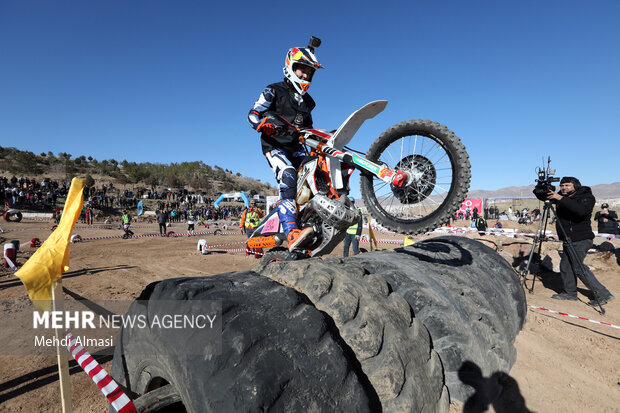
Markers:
(421, 182)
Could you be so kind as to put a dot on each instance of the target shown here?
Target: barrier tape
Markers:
(573, 316)
(229, 244)
(492, 231)
(441, 230)
(109, 226)
(23, 229)
(191, 234)
(389, 241)
(100, 377)
(175, 235)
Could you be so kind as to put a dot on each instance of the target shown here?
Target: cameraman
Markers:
(574, 211)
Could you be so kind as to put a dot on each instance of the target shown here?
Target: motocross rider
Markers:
(284, 152)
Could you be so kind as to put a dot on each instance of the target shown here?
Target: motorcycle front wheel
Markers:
(439, 171)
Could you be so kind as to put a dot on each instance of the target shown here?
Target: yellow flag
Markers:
(48, 263)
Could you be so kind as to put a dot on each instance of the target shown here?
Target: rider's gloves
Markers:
(266, 127)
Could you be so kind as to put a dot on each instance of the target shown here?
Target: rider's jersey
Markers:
(126, 219)
(284, 101)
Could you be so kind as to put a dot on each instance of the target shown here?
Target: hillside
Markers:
(196, 175)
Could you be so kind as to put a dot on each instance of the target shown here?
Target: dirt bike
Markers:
(414, 177)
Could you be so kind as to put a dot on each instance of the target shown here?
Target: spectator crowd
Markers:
(42, 195)
(29, 193)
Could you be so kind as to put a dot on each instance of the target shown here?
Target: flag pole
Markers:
(61, 352)
(371, 236)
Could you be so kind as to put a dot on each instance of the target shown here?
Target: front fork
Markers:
(397, 178)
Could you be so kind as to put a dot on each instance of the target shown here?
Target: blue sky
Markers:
(173, 81)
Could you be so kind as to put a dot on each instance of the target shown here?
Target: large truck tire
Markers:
(466, 295)
(13, 215)
(500, 273)
(394, 348)
(278, 352)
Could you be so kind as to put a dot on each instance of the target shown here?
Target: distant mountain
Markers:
(602, 191)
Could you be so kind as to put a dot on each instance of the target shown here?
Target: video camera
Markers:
(313, 43)
(545, 180)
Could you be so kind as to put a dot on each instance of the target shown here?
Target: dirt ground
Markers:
(563, 364)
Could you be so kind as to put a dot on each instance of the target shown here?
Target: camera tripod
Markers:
(569, 249)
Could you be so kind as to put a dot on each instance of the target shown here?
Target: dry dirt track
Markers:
(563, 364)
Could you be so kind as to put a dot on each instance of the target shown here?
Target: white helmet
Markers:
(296, 56)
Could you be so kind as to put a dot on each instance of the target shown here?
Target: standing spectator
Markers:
(481, 224)
(607, 220)
(89, 216)
(162, 217)
(250, 218)
(190, 223)
(354, 232)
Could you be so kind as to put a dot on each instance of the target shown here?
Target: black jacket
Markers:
(607, 223)
(574, 213)
(162, 217)
(299, 114)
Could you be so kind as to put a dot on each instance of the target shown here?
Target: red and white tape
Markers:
(119, 400)
(175, 235)
(389, 241)
(227, 245)
(21, 229)
(573, 316)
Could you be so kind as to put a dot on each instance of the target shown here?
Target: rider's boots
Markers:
(287, 213)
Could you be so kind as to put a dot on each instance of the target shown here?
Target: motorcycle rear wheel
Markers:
(439, 163)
